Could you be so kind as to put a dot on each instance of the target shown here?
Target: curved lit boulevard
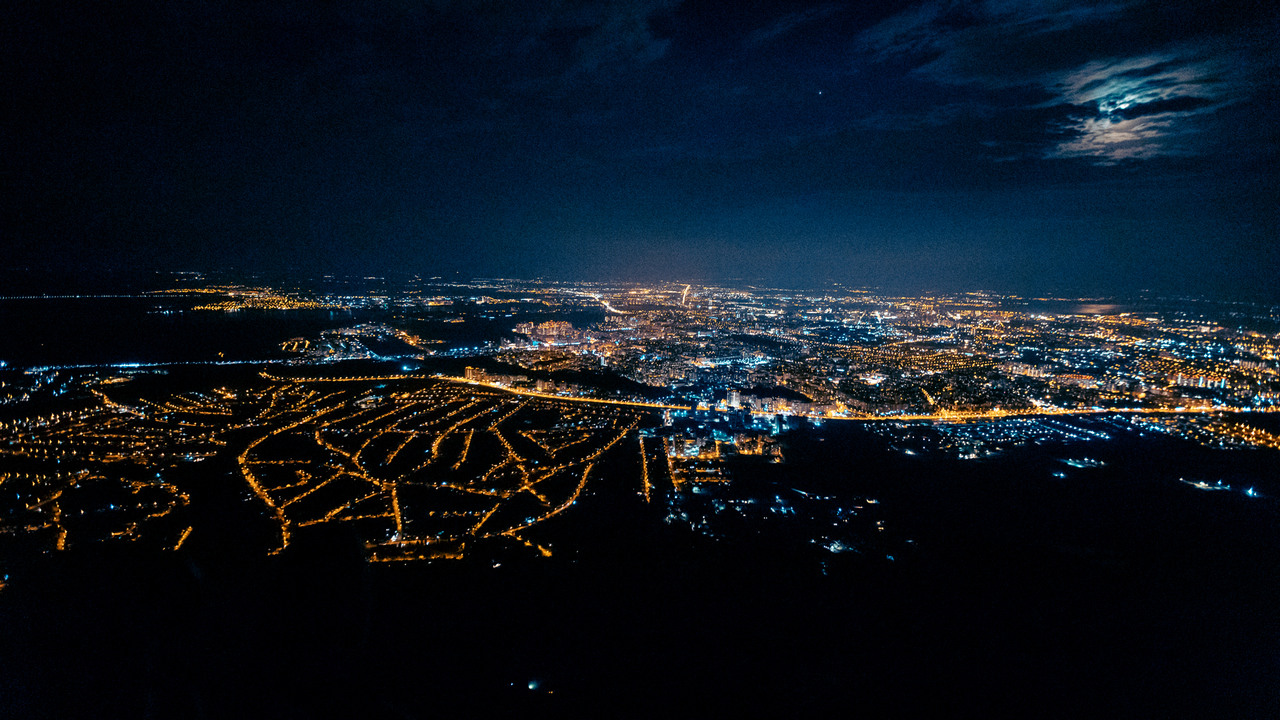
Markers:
(426, 461)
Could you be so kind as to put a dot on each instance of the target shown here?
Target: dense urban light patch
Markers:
(425, 463)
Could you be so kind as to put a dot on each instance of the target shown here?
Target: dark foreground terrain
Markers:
(1172, 618)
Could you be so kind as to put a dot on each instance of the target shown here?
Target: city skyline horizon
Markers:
(64, 277)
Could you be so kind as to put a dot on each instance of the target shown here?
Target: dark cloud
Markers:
(1127, 58)
(789, 22)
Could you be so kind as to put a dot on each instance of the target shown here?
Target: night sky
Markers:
(1027, 147)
